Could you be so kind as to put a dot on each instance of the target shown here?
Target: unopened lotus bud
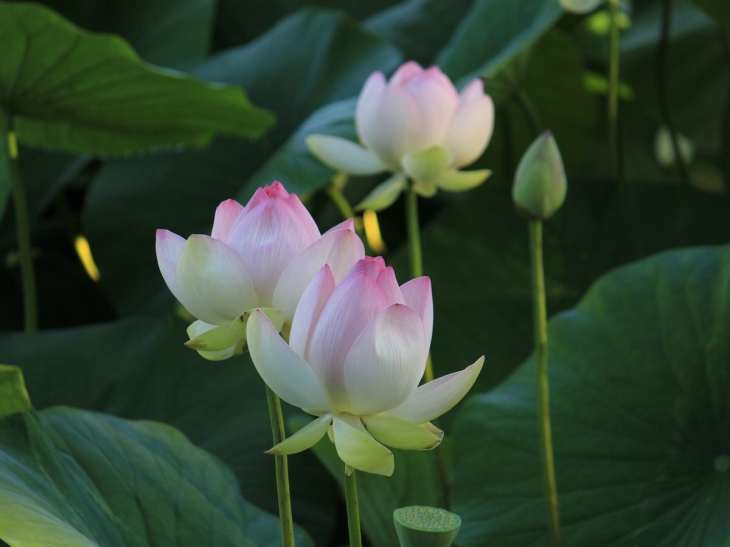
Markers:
(540, 184)
(419, 526)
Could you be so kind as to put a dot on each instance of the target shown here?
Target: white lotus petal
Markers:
(305, 438)
(472, 125)
(433, 399)
(386, 361)
(287, 374)
(225, 215)
(212, 282)
(358, 449)
(417, 294)
(168, 247)
(309, 308)
(343, 155)
(401, 434)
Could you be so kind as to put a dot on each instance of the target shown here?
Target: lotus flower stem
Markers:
(339, 199)
(353, 508)
(414, 251)
(282, 470)
(543, 410)
(22, 226)
(614, 7)
(661, 68)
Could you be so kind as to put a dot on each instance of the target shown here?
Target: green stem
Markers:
(543, 411)
(340, 201)
(613, 89)
(530, 111)
(414, 233)
(662, 58)
(353, 508)
(22, 227)
(282, 470)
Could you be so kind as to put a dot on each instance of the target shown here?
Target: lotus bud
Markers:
(540, 184)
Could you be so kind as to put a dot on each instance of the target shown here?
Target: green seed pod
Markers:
(540, 185)
(419, 526)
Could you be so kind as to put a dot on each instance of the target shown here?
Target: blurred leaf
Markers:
(308, 60)
(639, 382)
(717, 9)
(414, 482)
(475, 252)
(5, 180)
(492, 33)
(169, 33)
(139, 369)
(420, 28)
(80, 92)
(69, 477)
(13, 395)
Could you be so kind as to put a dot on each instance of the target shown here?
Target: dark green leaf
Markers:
(493, 32)
(309, 60)
(639, 382)
(715, 8)
(75, 478)
(13, 395)
(139, 369)
(82, 92)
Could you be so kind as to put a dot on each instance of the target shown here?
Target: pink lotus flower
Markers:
(418, 126)
(259, 256)
(355, 356)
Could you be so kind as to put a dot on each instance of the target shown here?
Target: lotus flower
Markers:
(356, 353)
(259, 256)
(417, 126)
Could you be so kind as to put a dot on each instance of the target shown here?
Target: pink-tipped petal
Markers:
(287, 374)
(168, 247)
(340, 249)
(472, 125)
(386, 361)
(268, 236)
(401, 434)
(309, 308)
(348, 224)
(351, 306)
(275, 190)
(389, 285)
(405, 72)
(225, 215)
(371, 265)
(305, 438)
(433, 399)
(358, 449)
(417, 294)
(437, 101)
(212, 282)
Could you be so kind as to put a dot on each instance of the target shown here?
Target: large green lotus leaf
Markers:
(139, 369)
(475, 251)
(169, 33)
(420, 28)
(493, 32)
(639, 380)
(82, 92)
(308, 60)
(415, 481)
(75, 478)
(715, 8)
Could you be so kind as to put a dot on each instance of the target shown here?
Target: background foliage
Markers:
(639, 368)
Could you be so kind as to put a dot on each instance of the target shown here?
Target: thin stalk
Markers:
(282, 470)
(340, 201)
(530, 112)
(614, 7)
(725, 35)
(543, 388)
(353, 508)
(22, 227)
(661, 72)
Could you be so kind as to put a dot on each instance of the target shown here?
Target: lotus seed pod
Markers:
(419, 526)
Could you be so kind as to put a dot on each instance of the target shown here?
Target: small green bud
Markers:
(540, 185)
(419, 526)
